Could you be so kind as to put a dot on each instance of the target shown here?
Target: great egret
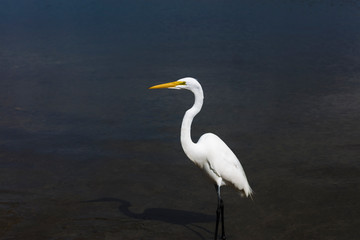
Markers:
(210, 153)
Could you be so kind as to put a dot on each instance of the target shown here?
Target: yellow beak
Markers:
(168, 85)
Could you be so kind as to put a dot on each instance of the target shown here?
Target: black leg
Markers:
(223, 237)
(219, 211)
(217, 221)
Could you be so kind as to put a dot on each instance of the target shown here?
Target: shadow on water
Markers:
(173, 216)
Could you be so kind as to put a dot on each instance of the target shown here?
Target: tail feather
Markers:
(247, 192)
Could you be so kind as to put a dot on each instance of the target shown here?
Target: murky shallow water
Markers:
(87, 152)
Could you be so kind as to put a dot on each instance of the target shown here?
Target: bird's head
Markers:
(183, 83)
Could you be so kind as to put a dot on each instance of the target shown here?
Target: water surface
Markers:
(88, 152)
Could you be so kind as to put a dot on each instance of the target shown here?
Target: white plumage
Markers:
(210, 153)
(222, 165)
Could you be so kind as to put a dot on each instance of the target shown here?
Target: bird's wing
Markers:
(222, 161)
(218, 153)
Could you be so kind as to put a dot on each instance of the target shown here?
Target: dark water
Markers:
(87, 152)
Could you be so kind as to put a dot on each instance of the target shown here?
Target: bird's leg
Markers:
(217, 221)
(223, 237)
(218, 212)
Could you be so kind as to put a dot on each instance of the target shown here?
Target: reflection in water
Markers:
(173, 216)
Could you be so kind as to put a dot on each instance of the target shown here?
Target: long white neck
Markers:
(187, 144)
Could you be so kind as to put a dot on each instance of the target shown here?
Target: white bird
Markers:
(210, 153)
